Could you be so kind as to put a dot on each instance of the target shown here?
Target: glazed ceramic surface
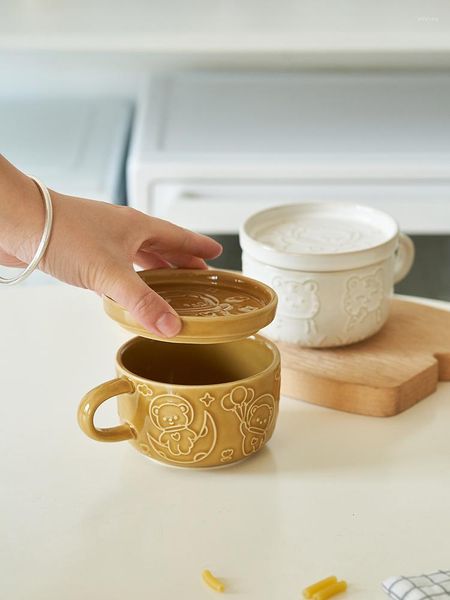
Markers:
(215, 306)
(191, 405)
(333, 267)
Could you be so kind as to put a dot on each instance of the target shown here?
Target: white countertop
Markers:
(360, 497)
(227, 26)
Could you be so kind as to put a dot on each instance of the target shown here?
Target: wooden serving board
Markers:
(381, 376)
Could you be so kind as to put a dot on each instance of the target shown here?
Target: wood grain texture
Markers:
(381, 376)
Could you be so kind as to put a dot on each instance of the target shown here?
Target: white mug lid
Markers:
(319, 237)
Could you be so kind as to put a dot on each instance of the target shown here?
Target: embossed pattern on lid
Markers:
(320, 236)
(215, 306)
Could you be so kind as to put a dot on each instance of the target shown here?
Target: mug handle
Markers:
(93, 399)
(404, 258)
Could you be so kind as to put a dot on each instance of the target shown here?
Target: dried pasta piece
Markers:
(331, 590)
(212, 581)
(319, 585)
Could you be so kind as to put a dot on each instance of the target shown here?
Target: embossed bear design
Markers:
(256, 416)
(207, 304)
(364, 296)
(299, 300)
(173, 416)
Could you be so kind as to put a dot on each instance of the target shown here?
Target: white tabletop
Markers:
(334, 493)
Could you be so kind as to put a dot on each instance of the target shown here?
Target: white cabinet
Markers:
(208, 149)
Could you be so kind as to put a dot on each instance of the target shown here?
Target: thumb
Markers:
(144, 304)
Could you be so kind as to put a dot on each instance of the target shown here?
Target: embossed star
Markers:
(207, 399)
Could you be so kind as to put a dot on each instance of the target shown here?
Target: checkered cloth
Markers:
(435, 585)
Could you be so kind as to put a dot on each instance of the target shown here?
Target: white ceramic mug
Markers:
(333, 267)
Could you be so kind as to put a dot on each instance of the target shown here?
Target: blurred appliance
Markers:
(209, 149)
(75, 145)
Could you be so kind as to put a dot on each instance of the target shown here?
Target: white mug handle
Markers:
(404, 257)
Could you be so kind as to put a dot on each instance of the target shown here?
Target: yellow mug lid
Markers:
(214, 305)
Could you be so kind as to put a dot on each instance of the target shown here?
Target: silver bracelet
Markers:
(42, 247)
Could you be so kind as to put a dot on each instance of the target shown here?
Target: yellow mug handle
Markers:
(92, 401)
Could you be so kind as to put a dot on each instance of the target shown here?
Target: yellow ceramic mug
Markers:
(191, 405)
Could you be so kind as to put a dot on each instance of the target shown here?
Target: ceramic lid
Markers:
(214, 305)
(319, 237)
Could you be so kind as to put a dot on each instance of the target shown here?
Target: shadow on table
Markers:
(312, 438)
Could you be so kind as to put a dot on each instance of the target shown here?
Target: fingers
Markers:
(164, 237)
(148, 260)
(186, 262)
(144, 304)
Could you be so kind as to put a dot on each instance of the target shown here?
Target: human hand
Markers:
(94, 245)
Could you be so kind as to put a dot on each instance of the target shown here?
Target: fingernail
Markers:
(219, 250)
(168, 324)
